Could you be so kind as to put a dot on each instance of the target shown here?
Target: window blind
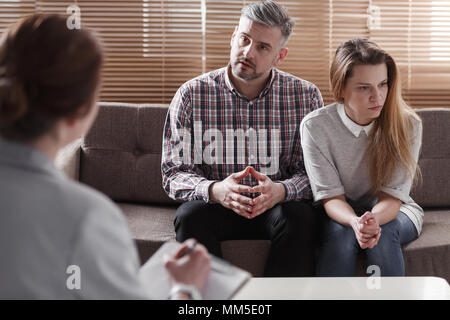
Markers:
(417, 34)
(11, 11)
(153, 46)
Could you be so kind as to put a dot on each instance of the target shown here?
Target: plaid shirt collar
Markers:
(229, 85)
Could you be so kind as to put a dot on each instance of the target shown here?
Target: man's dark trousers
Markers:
(291, 226)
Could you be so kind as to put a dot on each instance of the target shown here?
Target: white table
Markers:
(353, 288)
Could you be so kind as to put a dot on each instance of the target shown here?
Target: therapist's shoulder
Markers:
(102, 246)
(80, 200)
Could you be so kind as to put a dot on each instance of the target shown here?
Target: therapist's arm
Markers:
(386, 209)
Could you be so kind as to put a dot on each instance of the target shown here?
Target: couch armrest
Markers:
(68, 159)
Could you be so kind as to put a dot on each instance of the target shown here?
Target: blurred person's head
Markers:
(258, 43)
(366, 79)
(49, 79)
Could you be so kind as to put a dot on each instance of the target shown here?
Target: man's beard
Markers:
(244, 74)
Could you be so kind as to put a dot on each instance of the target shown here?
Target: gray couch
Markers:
(121, 157)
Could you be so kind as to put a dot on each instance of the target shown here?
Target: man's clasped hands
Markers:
(228, 193)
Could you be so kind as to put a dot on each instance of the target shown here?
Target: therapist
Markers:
(52, 227)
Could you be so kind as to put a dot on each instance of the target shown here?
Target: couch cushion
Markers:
(121, 154)
(434, 191)
(429, 255)
(151, 226)
(250, 255)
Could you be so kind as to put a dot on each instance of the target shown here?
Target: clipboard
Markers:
(224, 281)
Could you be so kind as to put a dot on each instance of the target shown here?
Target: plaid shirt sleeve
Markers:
(298, 187)
(182, 178)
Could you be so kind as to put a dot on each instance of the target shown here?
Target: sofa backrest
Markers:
(121, 155)
(434, 191)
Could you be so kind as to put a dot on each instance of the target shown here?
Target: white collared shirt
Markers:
(350, 124)
(334, 152)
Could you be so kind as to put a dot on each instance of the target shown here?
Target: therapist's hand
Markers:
(191, 269)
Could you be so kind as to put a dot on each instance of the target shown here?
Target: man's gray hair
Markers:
(270, 14)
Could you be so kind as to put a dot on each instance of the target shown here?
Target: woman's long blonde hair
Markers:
(390, 140)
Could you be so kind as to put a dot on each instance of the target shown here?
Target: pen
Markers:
(218, 264)
(188, 250)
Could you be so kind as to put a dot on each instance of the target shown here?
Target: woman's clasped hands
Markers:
(367, 230)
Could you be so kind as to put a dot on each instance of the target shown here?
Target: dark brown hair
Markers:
(47, 72)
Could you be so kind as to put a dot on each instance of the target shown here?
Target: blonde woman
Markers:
(361, 157)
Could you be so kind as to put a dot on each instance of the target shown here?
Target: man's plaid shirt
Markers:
(207, 110)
